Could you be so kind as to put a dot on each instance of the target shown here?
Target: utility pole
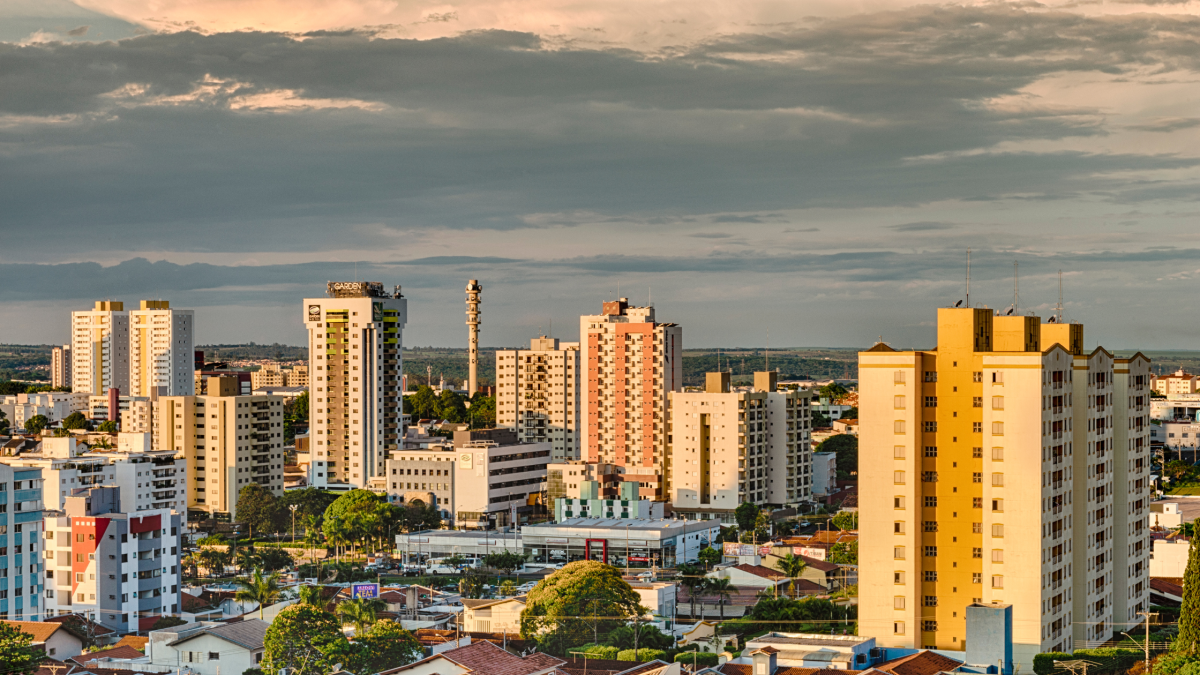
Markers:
(1147, 615)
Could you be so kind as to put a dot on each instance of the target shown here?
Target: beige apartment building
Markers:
(732, 447)
(632, 363)
(272, 375)
(356, 409)
(1178, 382)
(161, 350)
(1005, 466)
(60, 366)
(230, 441)
(100, 348)
(537, 394)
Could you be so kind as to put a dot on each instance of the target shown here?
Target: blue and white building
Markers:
(20, 543)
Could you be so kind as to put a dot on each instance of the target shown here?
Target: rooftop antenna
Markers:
(968, 303)
(1016, 287)
(1059, 309)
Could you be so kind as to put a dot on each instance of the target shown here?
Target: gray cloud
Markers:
(78, 32)
(922, 226)
(1168, 124)
(802, 229)
(710, 235)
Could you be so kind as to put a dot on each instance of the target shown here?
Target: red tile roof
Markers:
(487, 658)
(1166, 587)
(121, 652)
(760, 571)
(39, 630)
(922, 663)
(136, 641)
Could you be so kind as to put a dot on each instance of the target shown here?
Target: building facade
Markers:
(161, 350)
(272, 375)
(537, 394)
(60, 366)
(729, 448)
(21, 560)
(228, 440)
(115, 568)
(1177, 383)
(625, 542)
(355, 340)
(632, 363)
(1007, 428)
(100, 348)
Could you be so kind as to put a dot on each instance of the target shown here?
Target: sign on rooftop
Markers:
(364, 591)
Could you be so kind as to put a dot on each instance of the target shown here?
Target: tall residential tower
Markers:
(100, 348)
(632, 363)
(357, 404)
(1006, 466)
(161, 350)
(537, 394)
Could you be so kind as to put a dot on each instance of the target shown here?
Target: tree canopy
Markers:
(845, 447)
(386, 645)
(746, 514)
(506, 561)
(559, 610)
(36, 424)
(76, 420)
(846, 520)
(257, 508)
(833, 391)
(1189, 612)
(307, 640)
(17, 652)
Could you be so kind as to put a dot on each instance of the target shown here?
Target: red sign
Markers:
(638, 558)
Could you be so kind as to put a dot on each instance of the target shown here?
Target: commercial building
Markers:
(1006, 466)
(537, 394)
(229, 441)
(100, 348)
(480, 479)
(620, 542)
(147, 480)
(115, 568)
(161, 350)
(431, 544)
(21, 563)
(355, 339)
(60, 366)
(728, 448)
(632, 363)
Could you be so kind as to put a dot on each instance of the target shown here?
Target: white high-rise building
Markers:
(100, 348)
(356, 409)
(538, 396)
(161, 350)
(632, 363)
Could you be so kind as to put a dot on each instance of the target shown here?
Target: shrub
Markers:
(1043, 664)
(701, 658)
(599, 651)
(644, 654)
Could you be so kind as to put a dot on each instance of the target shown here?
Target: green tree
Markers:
(385, 645)
(76, 420)
(304, 639)
(258, 508)
(470, 585)
(845, 447)
(311, 595)
(506, 561)
(345, 515)
(482, 413)
(213, 559)
(17, 652)
(710, 556)
(450, 407)
(417, 516)
(643, 635)
(167, 622)
(844, 554)
(793, 567)
(260, 588)
(421, 405)
(508, 588)
(108, 427)
(35, 425)
(845, 520)
(299, 406)
(4, 423)
(1189, 612)
(692, 578)
(273, 559)
(833, 391)
(723, 589)
(309, 502)
(360, 613)
(746, 514)
(582, 600)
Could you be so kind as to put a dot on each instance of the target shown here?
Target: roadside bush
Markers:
(599, 651)
(644, 654)
(701, 658)
(1043, 664)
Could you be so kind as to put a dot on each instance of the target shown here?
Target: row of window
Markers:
(899, 478)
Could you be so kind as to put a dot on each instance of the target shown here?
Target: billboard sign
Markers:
(364, 591)
(735, 549)
(818, 553)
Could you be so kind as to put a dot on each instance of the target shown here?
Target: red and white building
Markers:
(120, 570)
(632, 362)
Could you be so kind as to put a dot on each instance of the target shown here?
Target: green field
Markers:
(1184, 491)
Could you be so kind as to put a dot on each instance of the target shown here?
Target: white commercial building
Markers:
(620, 542)
(632, 363)
(538, 395)
(729, 448)
(161, 350)
(355, 340)
(100, 348)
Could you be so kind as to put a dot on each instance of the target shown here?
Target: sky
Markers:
(766, 172)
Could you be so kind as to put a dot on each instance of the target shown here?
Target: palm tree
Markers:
(359, 613)
(311, 595)
(693, 579)
(312, 534)
(258, 588)
(793, 567)
(723, 589)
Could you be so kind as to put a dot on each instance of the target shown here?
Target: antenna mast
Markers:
(968, 303)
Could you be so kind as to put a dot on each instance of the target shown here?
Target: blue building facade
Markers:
(21, 566)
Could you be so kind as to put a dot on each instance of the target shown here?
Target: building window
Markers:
(898, 577)
(931, 502)
(997, 505)
(931, 526)
(898, 477)
(898, 602)
(997, 454)
(898, 426)
(997, 555)
(997, 377)
(977, 477)
(976, 528)
(931, 601)
(997, 480)
(977, 502)
(997, 581)
(931, 427)
(930, 551)
(929, 626)
(931, 575)
(976, 577)
(997, 403)
(897, 553)
(929, 476)
(997, 428)
(931, 451)
(899, 376)
(930, 401)
(898, 403)
(898, 627)
(899, 501)
(976, 401)
(977, 427)
(977, 453)
(898, 452)
(977, 553)
(931, 376)
(898, 527)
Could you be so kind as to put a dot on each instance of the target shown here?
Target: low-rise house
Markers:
(746, 575)
(482, 657)
(657, 596)
(801, 650)
(502, 615)
(209, 648)
(52, 638)
(99, 659)
(825, 574)
(1169, 555)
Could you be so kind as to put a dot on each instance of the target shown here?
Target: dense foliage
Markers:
(307, 640)
(17, 652)
(845, 447)
(577, 604)
(1189, 612)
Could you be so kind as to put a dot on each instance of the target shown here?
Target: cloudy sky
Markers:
(808, 173)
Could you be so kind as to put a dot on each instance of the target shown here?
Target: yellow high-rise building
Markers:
(1005, 466)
